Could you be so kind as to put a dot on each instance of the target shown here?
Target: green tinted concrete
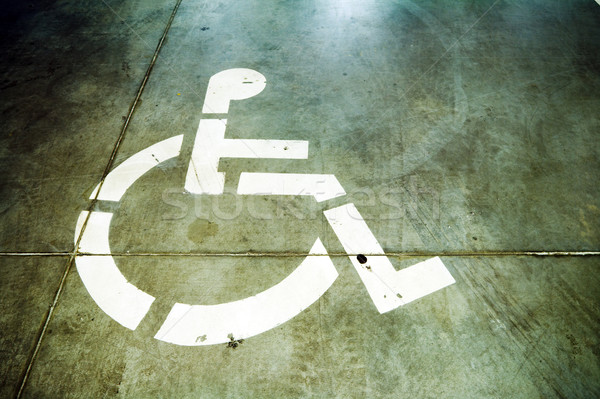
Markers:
(454, 128)
(27, 286)
(516, 327)
(69, 73)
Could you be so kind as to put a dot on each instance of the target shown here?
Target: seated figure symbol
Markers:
(197, 324)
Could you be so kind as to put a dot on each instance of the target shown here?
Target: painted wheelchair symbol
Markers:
(195, 324)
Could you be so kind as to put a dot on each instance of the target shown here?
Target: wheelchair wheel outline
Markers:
(188, 325)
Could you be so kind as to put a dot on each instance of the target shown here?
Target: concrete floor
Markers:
(464, 130)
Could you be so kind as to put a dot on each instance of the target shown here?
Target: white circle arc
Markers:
(186, 324)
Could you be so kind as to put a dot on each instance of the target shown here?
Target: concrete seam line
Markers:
(541, 253)
(50, 312)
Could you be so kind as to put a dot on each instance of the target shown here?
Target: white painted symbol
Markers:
(195, 324)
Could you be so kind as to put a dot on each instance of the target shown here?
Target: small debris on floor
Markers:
(234, 343)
